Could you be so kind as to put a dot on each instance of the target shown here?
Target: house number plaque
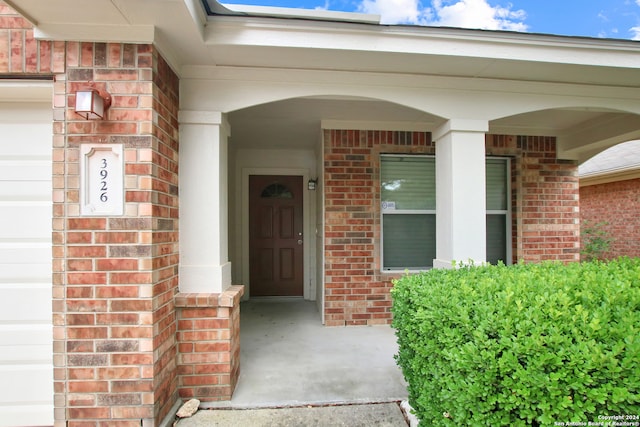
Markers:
(101, 180)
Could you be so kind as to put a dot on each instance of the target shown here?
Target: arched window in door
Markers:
(276, 191)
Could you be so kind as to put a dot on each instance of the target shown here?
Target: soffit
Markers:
(188, 37)
(175, 26)
(400, 64)
(289, 43)
(296, 123)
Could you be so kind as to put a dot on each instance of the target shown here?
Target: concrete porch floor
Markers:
(288, 358)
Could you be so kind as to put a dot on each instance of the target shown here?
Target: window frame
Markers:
(507, 212)
(384, 212)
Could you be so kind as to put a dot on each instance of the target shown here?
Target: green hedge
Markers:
(530, 344)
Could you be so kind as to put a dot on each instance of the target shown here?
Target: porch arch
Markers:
(582, 131)
(229, 89)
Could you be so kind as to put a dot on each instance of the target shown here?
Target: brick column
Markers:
(548, 205)
(209, 344)
(115, 277)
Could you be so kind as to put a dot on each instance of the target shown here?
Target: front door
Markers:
(275, 235)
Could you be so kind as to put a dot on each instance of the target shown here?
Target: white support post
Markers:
(204, 252)
(460, 193)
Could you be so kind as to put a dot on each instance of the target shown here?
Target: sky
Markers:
(615, 19)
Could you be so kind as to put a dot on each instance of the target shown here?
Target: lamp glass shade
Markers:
(89, 104)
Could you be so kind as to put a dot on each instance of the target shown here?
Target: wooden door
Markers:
(275, 235)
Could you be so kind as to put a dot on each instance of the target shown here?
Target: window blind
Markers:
(409, 182)
(496, 176)
(408, 193)
(496, 238)
(409, 241)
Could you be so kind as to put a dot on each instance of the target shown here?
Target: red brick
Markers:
(79, 264)
(80, 319)
(86, 223)
(85, 278)
(132, 359)
(79, 237)
(86, 251)
(88, 386)
(81, 373)
(131, 332)
(199, 380)
(131, 305)
(617, 204)
(89, 413)
(87, 332)
(111, 264)
(119, 373)
(79, 291)
(130, 278)
(131, 386)
(86, 305)
(117, 292)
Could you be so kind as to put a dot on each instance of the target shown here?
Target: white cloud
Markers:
(397, 11)
(447, 13)
(479, 14)
(636, 33)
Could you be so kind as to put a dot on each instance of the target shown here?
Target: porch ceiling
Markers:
(296, 123)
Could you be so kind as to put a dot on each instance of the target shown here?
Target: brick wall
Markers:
(209, 344)
(115, 278)
(617, 204)
(356, 293)
(545, 199)
(20, 53)
(544, 208)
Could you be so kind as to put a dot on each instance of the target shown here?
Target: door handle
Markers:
(299, 241)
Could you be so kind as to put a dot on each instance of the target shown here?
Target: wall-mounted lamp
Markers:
(92, 104)
(312, 184)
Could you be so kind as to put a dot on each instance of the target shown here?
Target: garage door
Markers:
(26, 367)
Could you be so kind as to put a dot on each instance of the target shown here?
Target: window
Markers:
(276, 191)
(498, 211)
(408, 195)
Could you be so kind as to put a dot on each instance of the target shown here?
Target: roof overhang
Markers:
(207, 33)
(286, 43)
(606, 177)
